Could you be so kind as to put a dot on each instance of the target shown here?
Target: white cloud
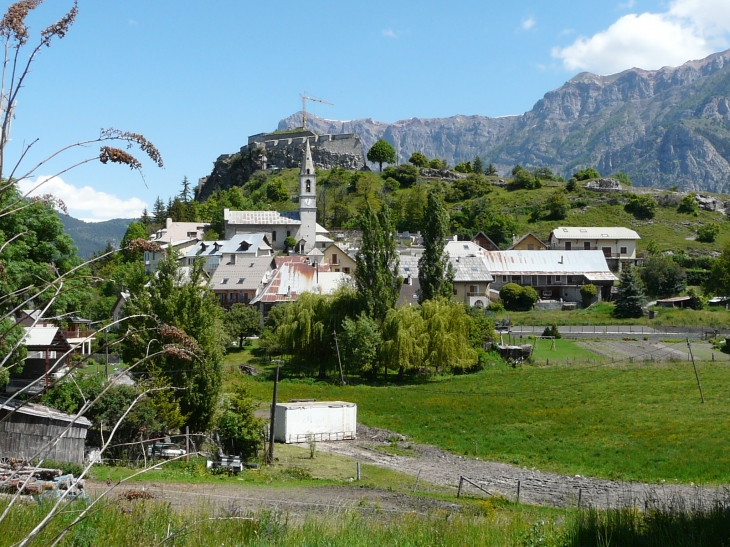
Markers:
(689, 29)
(528, 23)
(389, 33)
(85, 203)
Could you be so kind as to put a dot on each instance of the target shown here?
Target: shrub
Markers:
(418, 159)
(496, 306)
(588, 293)
(552, 330)
(689, 205)
(525, 179)
(406, 174)
(663, 276)
(697, 277)
(707, 233)
(642, 207)
(586, 174)
(572, 185)
(515, 297)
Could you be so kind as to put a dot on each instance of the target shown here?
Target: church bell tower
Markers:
(308, 200)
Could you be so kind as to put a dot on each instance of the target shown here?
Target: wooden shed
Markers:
(29, 431)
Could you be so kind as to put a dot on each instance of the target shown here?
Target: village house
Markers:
(174, 235)
(242, 280)
(48, 351)
(227, 252)
(484, 242)
(338, 259)
(618, 244)
(555, 275)
(294, 276)
(528, 242)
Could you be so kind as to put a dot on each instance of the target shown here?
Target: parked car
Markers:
(165, 450)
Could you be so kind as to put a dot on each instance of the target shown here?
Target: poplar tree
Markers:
(435, 274)
(376, 275)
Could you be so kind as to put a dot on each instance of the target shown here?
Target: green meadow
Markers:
(627, 421)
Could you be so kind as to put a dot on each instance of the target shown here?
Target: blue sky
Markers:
(197, 77)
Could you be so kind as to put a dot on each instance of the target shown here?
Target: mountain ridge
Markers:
(665, 127)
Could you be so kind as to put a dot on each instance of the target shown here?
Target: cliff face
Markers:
(663, 128)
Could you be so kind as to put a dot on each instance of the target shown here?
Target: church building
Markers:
(278, 225)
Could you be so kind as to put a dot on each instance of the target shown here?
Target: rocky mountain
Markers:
(663, 128)
(90, 237)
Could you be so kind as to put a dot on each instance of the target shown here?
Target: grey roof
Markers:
(408, 266)
(592, 264)
(463, 248)
(247, 274)
(41, 411)
(262, 218)
(239, 243)
(593, 232)
(470, 268)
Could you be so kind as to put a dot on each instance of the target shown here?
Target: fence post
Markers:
(358, 471)
(187, 443)
(580, 496)
(418, 477)
(461, 480)
(518, 490)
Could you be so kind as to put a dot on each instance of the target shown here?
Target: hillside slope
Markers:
(93, 236)
(664, 128)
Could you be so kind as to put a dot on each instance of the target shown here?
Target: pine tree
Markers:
(185, 193)
(145, 219)
(435, 273)
(630, 295)
(478, 167)
(376, 275)
(159, 213)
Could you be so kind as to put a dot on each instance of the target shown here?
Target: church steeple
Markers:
(308, 199)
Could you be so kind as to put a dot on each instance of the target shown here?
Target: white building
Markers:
(227, 252)
(317, 421)
(617, 244)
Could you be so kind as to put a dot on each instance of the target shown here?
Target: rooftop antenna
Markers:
(306, 98)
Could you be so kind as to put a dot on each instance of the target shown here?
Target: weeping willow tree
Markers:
(448, 328)
(404, 340)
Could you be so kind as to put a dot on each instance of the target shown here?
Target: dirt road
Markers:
(535, 487)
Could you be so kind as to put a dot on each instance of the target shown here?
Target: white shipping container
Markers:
(319, 421)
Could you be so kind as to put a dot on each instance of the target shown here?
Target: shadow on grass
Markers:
(655, 528)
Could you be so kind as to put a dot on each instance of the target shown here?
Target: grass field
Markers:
(621, 420)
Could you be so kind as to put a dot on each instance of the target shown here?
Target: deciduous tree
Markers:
(242, 321)
(382, 152)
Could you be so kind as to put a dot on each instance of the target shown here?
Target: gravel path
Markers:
(535, 487)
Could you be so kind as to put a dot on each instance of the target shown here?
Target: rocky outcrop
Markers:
(282, 150)
(664, 128)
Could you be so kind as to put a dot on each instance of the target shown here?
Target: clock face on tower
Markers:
(308, 202)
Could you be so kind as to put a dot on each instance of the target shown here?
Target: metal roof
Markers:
(408, 266)
(293, 278)
(40, 336)
(592, 264)
(239, 243)
(316, 404)
(263, 218)
(593, 232)
(41, 411)
(463, 248)
(470, 268)
(246, 274)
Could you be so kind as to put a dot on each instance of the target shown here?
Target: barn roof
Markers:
(40, 411)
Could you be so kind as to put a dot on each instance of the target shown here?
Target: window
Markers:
(309, 186)
(587, 245)
(474, 289)
(307, 171)
(454, 290)
(233, 297)
(505, 279)
(624, 250)
(334, 258)
(516, 279)
(534, 280)
(530, 246)
(273, 235)
(558, 278)
(288, 233)
(225, 281)
(346, 270)
(240, 280)
(568, 246)
(337, 269)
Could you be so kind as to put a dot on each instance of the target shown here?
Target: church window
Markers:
(309, 186)
(273, 235)
(307, 171)
(288, 233)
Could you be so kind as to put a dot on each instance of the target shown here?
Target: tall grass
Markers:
(154, 523)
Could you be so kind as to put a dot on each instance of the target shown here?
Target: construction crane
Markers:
(306, 98)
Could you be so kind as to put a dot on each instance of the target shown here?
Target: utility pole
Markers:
(273, 415)
(699, 385)
(337, 345)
